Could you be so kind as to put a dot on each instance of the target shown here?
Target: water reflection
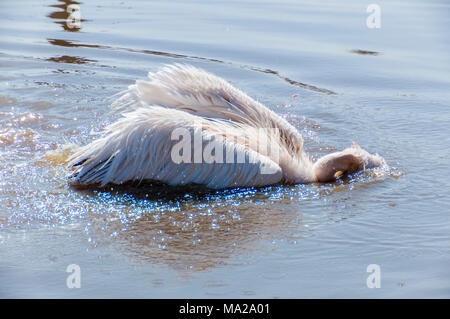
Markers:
(192, 228)
(68, 9)
(365, 52)
(72, 44)
(70, 59)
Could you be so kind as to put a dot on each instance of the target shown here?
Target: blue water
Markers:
(318, 65)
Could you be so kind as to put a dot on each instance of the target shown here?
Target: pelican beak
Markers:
(338, 174)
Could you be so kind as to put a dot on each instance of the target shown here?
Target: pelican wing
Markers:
(142, 146)
(203, 94)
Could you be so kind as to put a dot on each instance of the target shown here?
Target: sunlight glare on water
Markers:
(318, 66)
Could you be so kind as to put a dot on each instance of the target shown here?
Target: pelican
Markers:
(188, 126)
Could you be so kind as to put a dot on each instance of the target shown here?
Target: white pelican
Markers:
(147, 142)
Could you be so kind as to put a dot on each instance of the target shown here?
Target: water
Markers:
(316, 64)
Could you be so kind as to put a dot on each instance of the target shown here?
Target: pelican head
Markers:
(349, 161)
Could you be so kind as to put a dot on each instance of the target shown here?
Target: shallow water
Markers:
(318, 65)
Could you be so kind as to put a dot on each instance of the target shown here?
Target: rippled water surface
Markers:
(318, 65)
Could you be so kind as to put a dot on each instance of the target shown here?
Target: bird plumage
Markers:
(232, 139)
